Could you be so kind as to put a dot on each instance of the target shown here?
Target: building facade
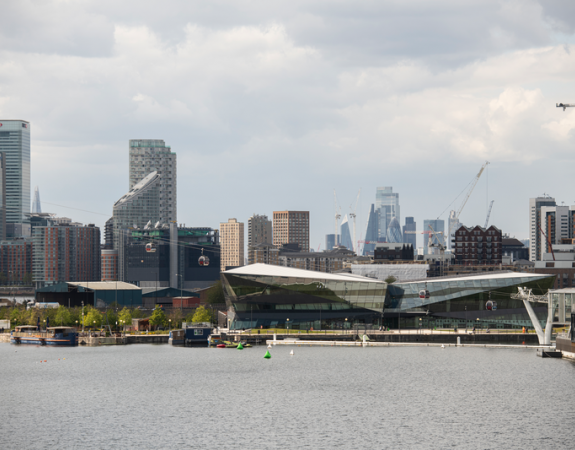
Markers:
(109, 265)
(232, 244)
(16, 261)
(387, 207)
(259, 232)
(393, 252)
(152, 155)
(478, 246)
(557, 224)
(372, 232)
(170, 256)
(36, 205)
(394, 235)
(410, 232)
(291, 227)
(15, 143)
(66, 253)
(346, 234)
(138, 207)
(535, 236)
(264, 254)
(328, 261)
(271, 296)
(330, 242)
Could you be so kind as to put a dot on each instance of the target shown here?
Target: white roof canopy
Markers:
(281, 271)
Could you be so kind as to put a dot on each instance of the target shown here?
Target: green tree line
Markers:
(64, 316)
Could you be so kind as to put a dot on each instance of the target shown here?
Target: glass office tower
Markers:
(15, 144)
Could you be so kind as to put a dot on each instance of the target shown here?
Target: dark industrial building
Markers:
(98, 294)
(177, 257)
(393, 252)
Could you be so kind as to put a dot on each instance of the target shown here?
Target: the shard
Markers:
(36, 206)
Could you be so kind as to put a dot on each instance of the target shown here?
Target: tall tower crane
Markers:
(488, 214)
(564, 105)
(353, 215)
(473, 184)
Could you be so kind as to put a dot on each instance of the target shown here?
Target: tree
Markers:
(216, 293)
(27, 279)
(92, 316)
(63, 316)
(125, 317)
(201, 315)
(158, 317)
(390, 279)
(176, 316)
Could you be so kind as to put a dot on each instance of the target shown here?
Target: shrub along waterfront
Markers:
(72, 317)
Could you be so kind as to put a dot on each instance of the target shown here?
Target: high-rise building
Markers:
(15, 143)
(557, 224)
(138, 207)
(109, 265)
(372, 232)
(170, 256)
(291, 227)
(438, 227)
(259, 232)
(387, 207)
(16, 260)
(36, 205)
(394, 232)
(345, 234)
(409, 232)
(231, 244)
(109, 233)
(535, 236)
(152, 155)
(2, 195)
(66, 253)
(453, 225)
(330, 242)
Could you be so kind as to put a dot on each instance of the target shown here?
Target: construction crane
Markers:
(353, 215)
(473, 184)
(438, 243)
(548, 241)
(337, 217)
(564, 105)
(488, 214)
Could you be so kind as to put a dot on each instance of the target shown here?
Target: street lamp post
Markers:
(287, 326)
(45, 325)
(345, 325)
(181, 287)
(420, 323)
(170, 320)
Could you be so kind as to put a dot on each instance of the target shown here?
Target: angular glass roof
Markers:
(281, 271)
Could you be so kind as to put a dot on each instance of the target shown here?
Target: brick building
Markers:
(16, 261)
(291, 227)
(66, 253)
(478, 246)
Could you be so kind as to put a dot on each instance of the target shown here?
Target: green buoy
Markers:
(240, 346)
(267, 355)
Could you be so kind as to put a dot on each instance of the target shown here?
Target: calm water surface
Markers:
(157, 396)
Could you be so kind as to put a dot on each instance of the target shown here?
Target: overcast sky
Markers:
(273, 105)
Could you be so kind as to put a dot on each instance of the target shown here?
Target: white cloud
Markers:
(272, 106)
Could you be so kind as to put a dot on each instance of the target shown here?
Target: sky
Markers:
(274, 105)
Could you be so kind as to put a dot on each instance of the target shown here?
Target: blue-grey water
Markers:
(158, 396)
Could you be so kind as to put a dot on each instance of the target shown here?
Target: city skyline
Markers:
(235, 94)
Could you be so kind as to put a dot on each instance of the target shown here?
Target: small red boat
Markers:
(221, 346)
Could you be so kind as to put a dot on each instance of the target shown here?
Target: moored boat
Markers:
(29, 334)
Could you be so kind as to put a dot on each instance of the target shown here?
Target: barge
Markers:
(29, 334)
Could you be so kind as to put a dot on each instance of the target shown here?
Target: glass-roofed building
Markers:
(275, 296)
